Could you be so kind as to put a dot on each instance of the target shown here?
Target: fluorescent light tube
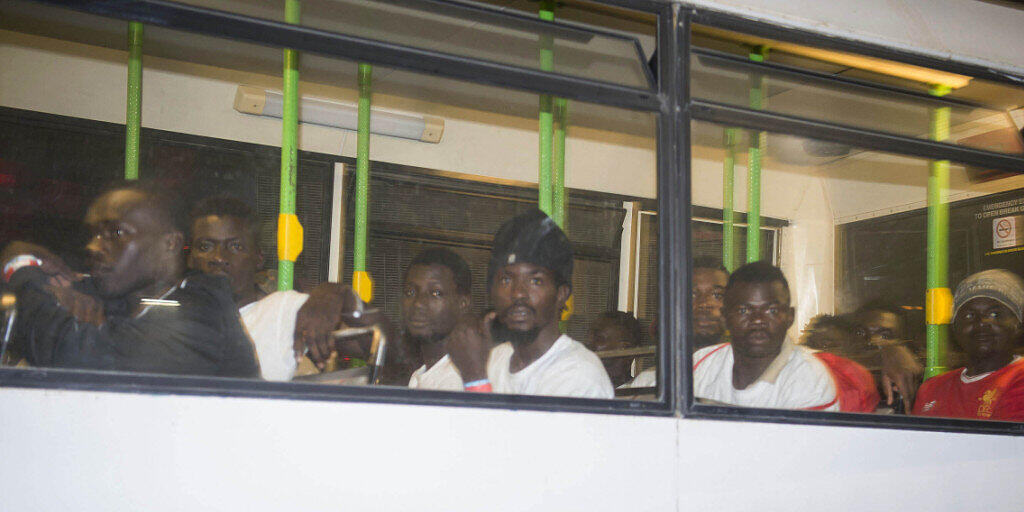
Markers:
(254, 100)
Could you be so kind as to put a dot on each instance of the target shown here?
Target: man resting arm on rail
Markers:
(284, 325)
(137, 312)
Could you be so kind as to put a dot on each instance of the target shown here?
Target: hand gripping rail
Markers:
(378, 345)
(8, 304)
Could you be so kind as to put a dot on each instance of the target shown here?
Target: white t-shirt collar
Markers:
(555, 348)
(967, 380)
(771, 374)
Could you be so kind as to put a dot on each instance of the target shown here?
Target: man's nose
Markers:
(759, 317)
(217, 257)
(518, 289)
(95, 247)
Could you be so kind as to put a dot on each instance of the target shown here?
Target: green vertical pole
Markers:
(551, 185)
(133, 116)
(758, 145)
(544, 185)
(360, 277)
(362, 167)
(728, 193)
(286, 248)
(558, 185)
(938, 303)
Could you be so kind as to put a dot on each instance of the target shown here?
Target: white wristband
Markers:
(19, 261)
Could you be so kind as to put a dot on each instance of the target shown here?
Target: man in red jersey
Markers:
(987, 323)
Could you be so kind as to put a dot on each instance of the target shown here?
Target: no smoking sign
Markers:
(1004, 232)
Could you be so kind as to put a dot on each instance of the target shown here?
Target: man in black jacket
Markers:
(137, 311)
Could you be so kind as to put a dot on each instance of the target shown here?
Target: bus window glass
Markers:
(442, 252)
(853, 90)
(840, 321)
(468, 31)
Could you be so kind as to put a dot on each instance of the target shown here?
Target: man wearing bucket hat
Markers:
(530, 279)
(988, 309)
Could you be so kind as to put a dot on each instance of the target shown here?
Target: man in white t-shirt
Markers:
(529, 278)
(224, 241)
(435, 295)
(761, 367)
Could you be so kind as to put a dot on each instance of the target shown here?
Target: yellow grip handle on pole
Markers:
(938, 306)
(569, 308)
(289, 237)
(363, 285)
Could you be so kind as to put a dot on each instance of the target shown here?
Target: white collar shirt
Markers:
(441, 375)
(796, 379)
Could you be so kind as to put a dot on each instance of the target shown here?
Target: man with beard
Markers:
(435, 295)
(283, 325)
(137, 312)
(762, 367)
(709, 281)
(530, 279)
(988, 309)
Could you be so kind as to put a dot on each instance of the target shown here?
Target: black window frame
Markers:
(675, 109)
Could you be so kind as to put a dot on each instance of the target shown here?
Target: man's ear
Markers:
(791, 313)
(564, 291)
(463, 302)
(259, 256)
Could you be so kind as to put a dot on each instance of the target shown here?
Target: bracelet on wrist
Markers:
(478, 386)
(18, 262)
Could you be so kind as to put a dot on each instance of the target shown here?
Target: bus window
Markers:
(874, 94)
(470, 238)
(861, 322)
(889, 284)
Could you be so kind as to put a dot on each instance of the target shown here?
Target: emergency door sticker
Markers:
(1005, 232)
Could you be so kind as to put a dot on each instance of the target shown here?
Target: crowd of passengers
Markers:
(144, 307)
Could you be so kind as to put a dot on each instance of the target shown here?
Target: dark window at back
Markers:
(413, 211)
(886, 257)
(51, 167)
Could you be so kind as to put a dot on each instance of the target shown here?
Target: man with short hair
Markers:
(435, 295)
(988, 322)
(762, 367)
(225, 241)
(137, 311)
(879, 323)
(530, 280)
(708, 291)
(881, 327)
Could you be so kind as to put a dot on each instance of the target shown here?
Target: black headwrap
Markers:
(532, 237)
